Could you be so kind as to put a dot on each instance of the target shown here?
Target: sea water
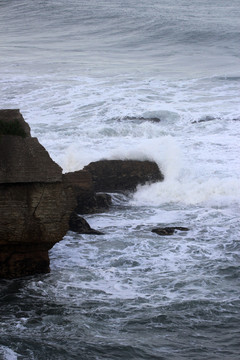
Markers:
(87, 76)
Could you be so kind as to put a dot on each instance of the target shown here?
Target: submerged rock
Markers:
(122, 175)
(205, 119)
(80, 225)
(169, 230)
(140, 119)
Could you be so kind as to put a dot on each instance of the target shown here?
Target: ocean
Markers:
(87, 77)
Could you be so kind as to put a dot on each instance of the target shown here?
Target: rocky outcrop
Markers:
(80, 225)
(81, 185)
(35, 205)
(34, 216)
(24, 160)
(169, 230)
(37, 202)
(122, 175)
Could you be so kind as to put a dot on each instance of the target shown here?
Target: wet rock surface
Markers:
(122, 175)
(35, 205)
(80, 225)
(38, 204)
(140, 119)
(169, 230)
(82, 187)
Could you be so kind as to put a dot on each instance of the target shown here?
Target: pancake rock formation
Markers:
(36, 201)
(39, 204)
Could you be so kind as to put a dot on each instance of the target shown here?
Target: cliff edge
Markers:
(35, 202)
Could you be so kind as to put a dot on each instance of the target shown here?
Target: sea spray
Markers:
(212, 191)
(78, 70)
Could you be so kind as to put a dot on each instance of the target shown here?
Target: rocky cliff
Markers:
(35, 202)
(38, 204)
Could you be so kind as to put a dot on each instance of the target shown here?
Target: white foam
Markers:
(213, 191)
(8, 354)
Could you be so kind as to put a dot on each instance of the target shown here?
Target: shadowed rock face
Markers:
(35, 205)
(37, 201)
(13, 123)
(81, 187)
(24, 160)
(122, 175)
(33, 218)
(81, 226)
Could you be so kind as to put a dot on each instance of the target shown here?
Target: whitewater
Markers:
(89, 77)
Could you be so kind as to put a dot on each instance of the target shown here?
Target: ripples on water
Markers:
(130, 293)
(78, 71)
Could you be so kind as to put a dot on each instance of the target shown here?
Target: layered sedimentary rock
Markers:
(34, 216)
(37, 201)
(122, 175)
(35, 205)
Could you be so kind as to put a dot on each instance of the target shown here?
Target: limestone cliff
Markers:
(35, 204)
(37, 201)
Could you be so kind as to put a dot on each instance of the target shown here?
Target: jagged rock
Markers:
(80, 225)
(169, 230)
(122, 175)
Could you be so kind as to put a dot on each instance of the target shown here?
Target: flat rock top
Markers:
(25, 160)
(117, 175)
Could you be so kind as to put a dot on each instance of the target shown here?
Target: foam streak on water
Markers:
(141, 80)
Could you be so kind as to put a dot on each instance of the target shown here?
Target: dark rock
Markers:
(140, 119)
(24, 160)
(81, 226)
(95, 204)
(122, 175)
(204, 119)
(34, 216)
(35, 205)
(81, 187)
(104, 201)
(13, 123)
(169, 230)
(80, 184)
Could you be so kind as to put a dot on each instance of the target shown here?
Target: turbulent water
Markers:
(88, 76)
